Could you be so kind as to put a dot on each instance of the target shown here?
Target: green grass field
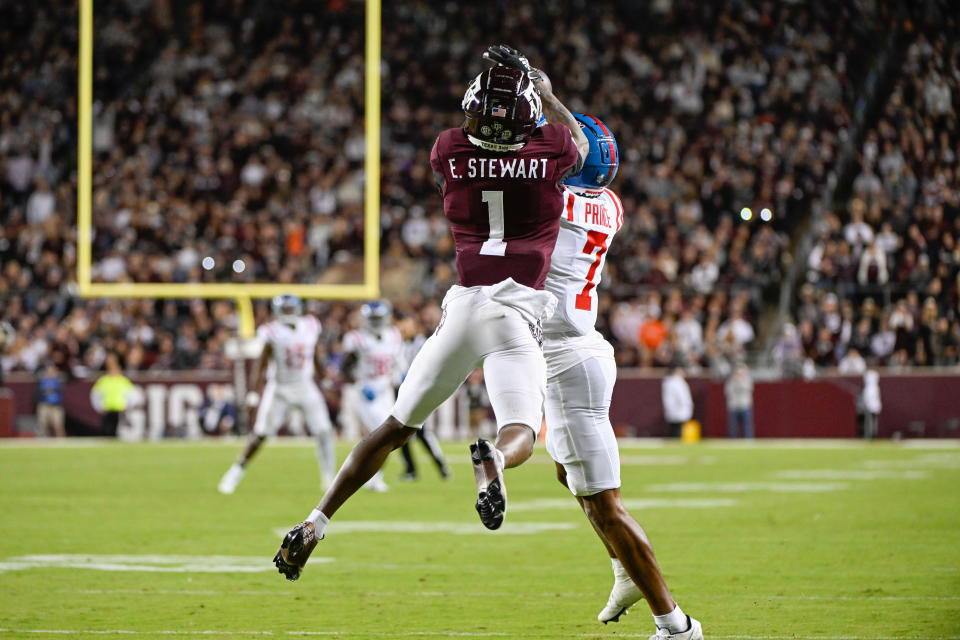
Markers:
(767, 542)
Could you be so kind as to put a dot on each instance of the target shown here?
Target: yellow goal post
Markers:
(239, 292)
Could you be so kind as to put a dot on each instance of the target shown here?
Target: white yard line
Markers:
(925, 462)
(568, 504)
(454, 528)
(149, 563)
(744, 487)
(851, 474)
(654, 460)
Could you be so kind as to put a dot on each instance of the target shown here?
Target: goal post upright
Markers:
(241, 293)
(371, 111)
(84, 147)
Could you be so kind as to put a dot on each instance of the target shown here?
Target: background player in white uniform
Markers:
(581, 372)
(499, 178)
(289, 359)
(413, 339)
(373, 364)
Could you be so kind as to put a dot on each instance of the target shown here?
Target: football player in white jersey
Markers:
(581, 372)
(373, 363)
(288, 363)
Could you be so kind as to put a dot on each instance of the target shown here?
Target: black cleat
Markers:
(295, 549)
(491, 491)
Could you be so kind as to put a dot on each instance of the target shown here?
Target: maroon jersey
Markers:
(504, 208)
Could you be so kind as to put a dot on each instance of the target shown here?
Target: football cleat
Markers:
(295, 549)
(491, 492)
(694, 632)
(623, 596)
(230, 480)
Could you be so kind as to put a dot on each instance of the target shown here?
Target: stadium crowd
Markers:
(883, 279)
(238, 139)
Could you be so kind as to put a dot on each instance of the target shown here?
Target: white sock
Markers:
(503, 464)
(319, 521)
(674, 622)
(619, 573)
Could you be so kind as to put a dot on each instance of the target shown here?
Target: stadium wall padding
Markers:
(914, 405)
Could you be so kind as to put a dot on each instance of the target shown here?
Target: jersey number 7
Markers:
(595, 241)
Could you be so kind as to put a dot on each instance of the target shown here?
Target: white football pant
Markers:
(579, 433)
(477, 329)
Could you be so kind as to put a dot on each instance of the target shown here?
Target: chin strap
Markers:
(494, 146)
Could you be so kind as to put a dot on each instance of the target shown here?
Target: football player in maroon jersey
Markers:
(499, 176)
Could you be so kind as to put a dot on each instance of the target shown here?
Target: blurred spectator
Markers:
(677, 401)
(218, 414)
(50, 415)
(788, 353)
(110, 395)
(870, 403)
(738, 390)
(852, 364)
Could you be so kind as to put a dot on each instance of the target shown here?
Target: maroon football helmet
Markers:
(502, 109)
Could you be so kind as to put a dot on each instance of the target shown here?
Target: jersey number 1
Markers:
(494, 245)
(595, 241)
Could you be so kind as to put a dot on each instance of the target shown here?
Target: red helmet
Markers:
(502, 109)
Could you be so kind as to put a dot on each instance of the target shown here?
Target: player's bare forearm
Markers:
(364, 461)
(554, 111)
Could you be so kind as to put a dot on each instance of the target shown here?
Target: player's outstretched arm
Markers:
(553, 109)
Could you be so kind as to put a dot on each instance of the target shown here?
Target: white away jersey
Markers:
(292, 349)
(379, 358)
(587, 224)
